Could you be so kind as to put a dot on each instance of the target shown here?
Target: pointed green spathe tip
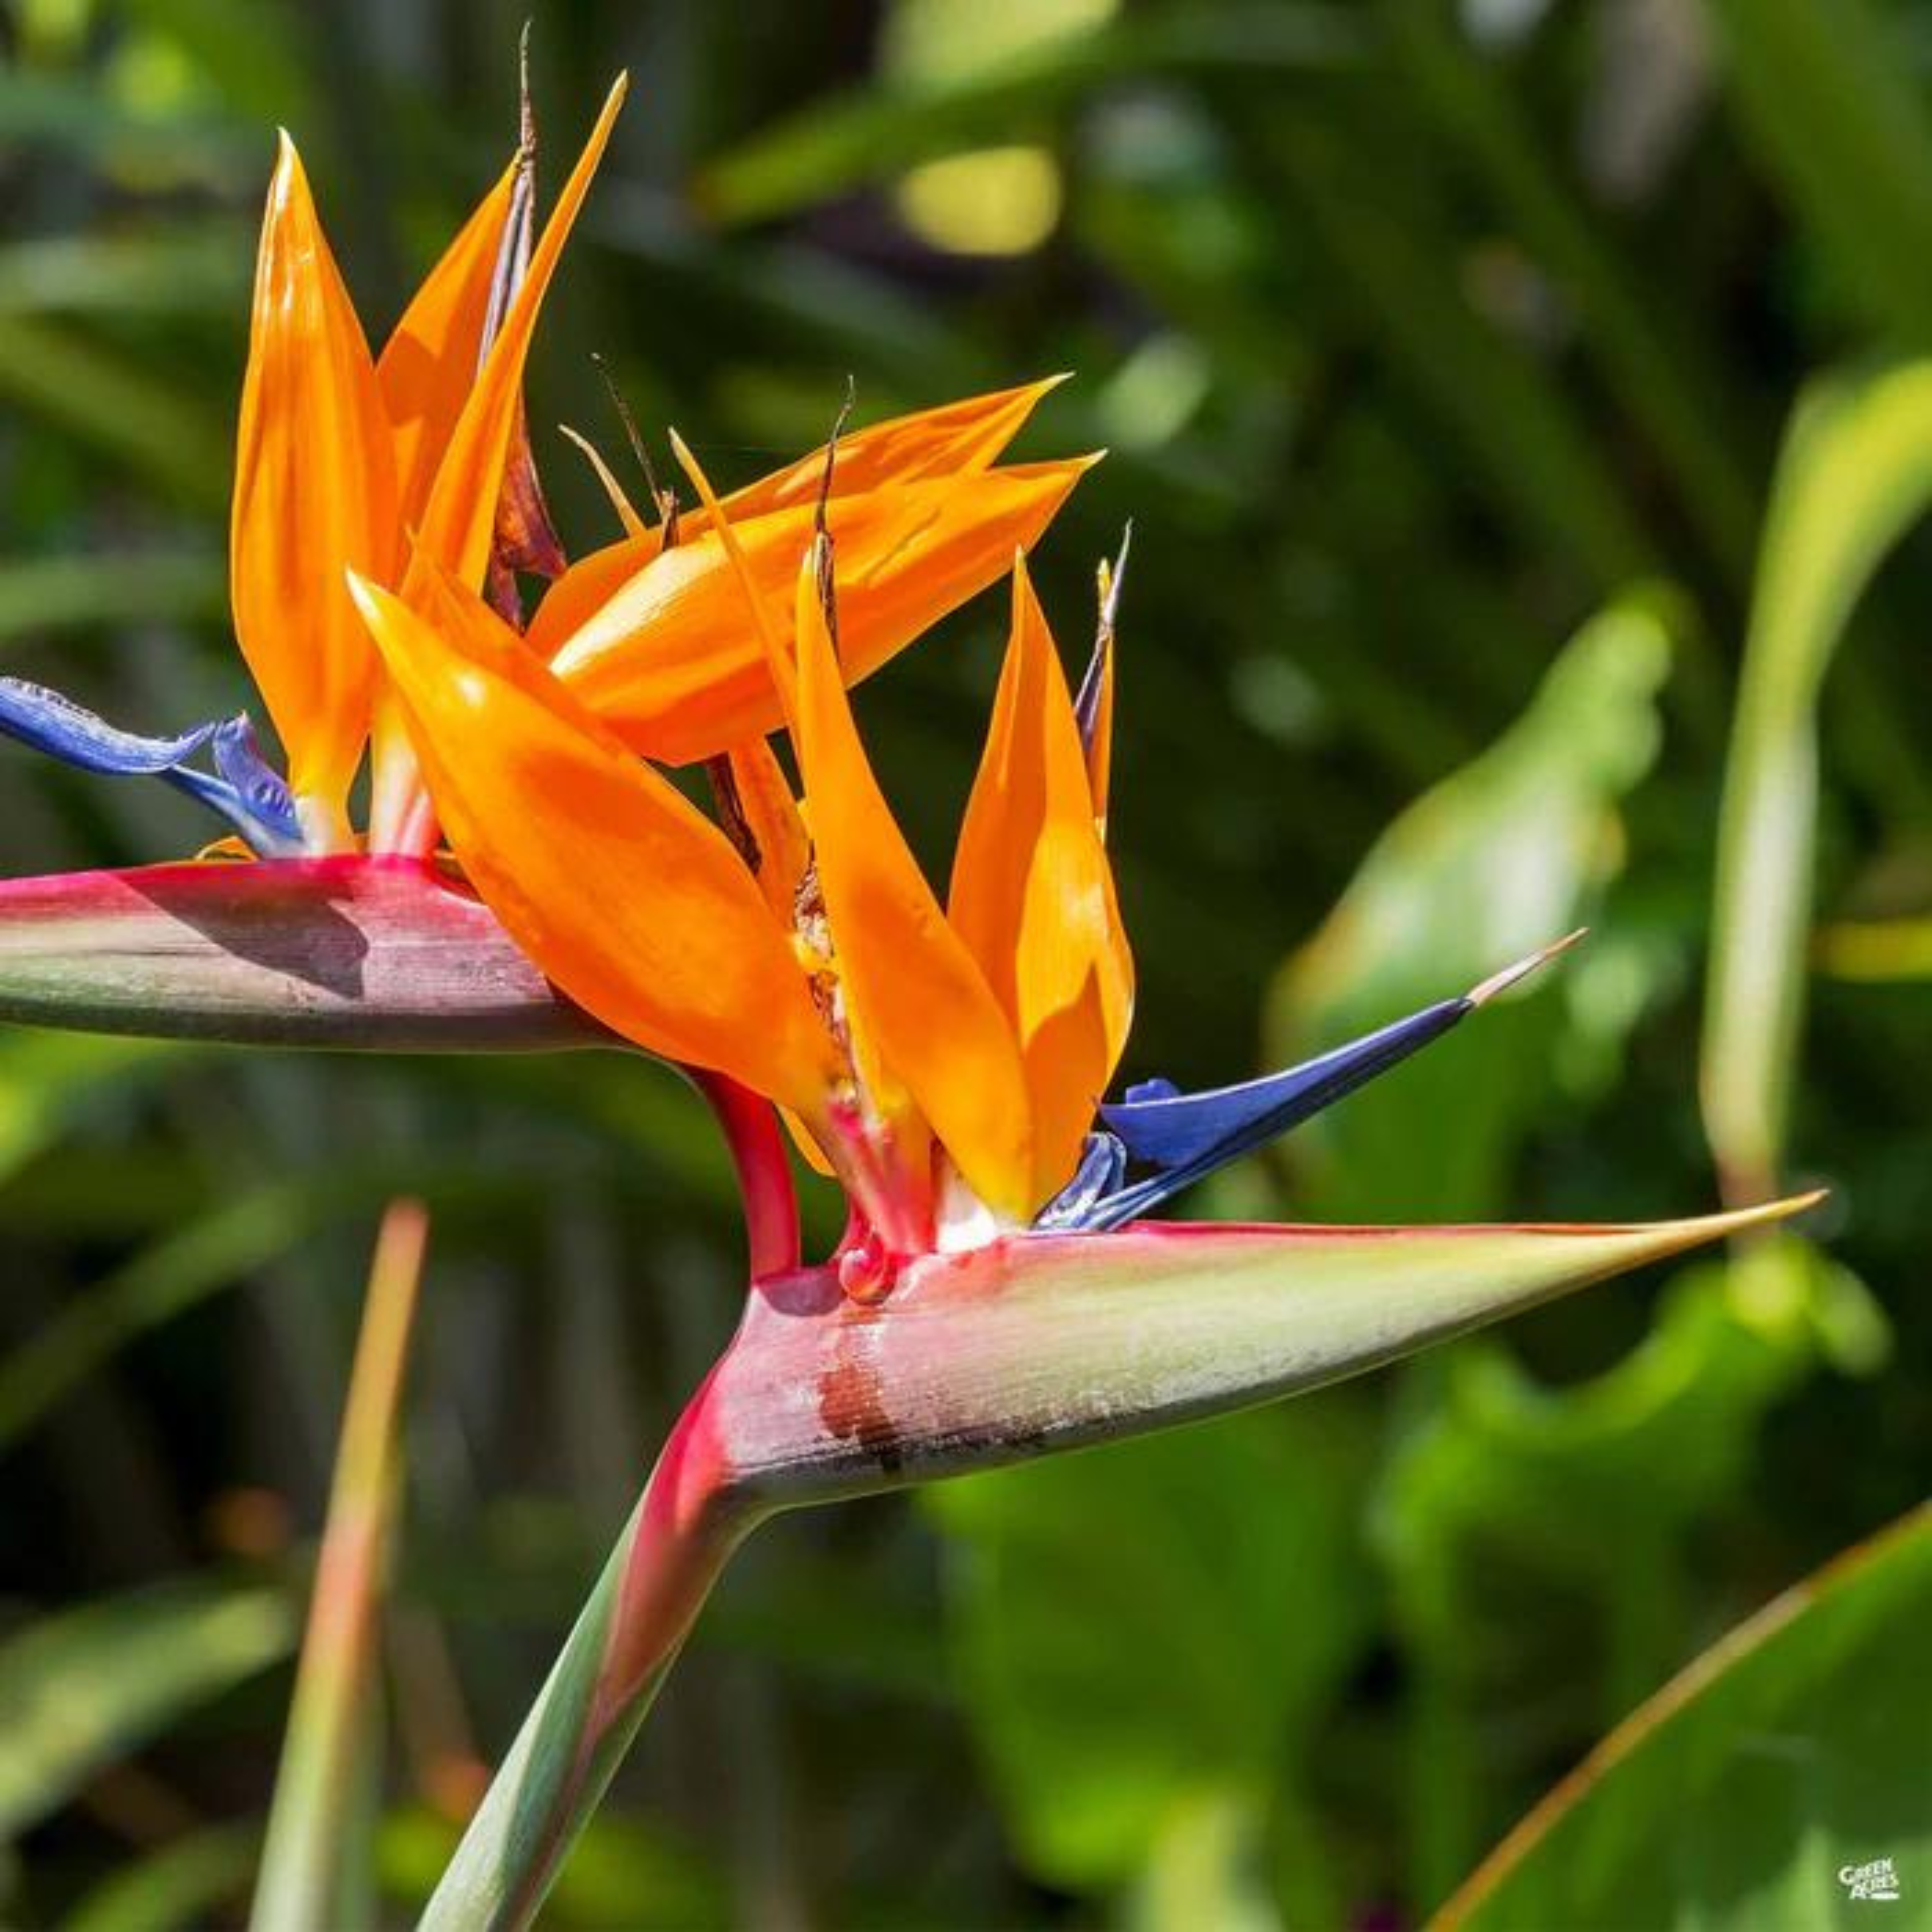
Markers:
(1038, 1342)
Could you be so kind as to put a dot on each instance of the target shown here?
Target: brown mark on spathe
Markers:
(851, 1403)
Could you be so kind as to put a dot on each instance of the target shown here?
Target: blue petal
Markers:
(242, 789)
(263, 808)
(1171, 1129)
(1186, 1136)
(71, 733)
(1103, 1166)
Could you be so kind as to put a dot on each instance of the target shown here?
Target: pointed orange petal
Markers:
(634, 525)
(459, 517)
(668, 659)
(780, 657)
(913, 986)
(954, 439)
(762, 797)
(620, 889)
(1032, 895)
(314, 493)
(428, 366)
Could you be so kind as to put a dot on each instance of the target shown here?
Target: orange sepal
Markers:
(911, 985)
(954, 439)
(762, 796)
(428, 366)
(314, 494)
(620, 890)
(634, 525)
(459, 517)
(669, 660)
(1033, 897)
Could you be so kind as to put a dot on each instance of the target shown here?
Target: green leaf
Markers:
(1855, 473)
(201, 269)
(1791, 1753)
(1877, 950)
(1223, 1566)
(83, 1689)
(1512, 1506)
(838, 145)
(1407, 282)
(47, 1079)
(39, 595)
(316, 1867)
(1828, 92)
(181, 1886)
(1503, 856)
(1664, 376)
(136, 415)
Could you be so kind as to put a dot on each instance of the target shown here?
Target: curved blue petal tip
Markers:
(76, 736)
(243, 789)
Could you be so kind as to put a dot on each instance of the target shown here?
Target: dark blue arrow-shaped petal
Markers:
(1172, 1128)
(242, 789)
(1185, 1136)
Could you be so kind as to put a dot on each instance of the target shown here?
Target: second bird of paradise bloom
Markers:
(415, 461)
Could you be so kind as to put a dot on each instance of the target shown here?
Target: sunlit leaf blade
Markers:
(1877, 949)
(1511, 849)
(80, 1690)
(1200, 1547)
(310, 1862)
(1856, 472)
(1512, 1501)
(1048, 1341)
(338, 952)
(1751, 1790)
(39, 595)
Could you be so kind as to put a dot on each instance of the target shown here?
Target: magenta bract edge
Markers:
(382, 954)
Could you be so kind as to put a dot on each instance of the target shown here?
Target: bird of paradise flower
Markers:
(527, 877)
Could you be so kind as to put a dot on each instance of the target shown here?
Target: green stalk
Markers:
(322, 1786)
(624, 1641)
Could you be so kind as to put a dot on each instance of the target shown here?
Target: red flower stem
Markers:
(752, 1133)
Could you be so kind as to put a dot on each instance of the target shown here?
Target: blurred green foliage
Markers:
(1425, 337)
